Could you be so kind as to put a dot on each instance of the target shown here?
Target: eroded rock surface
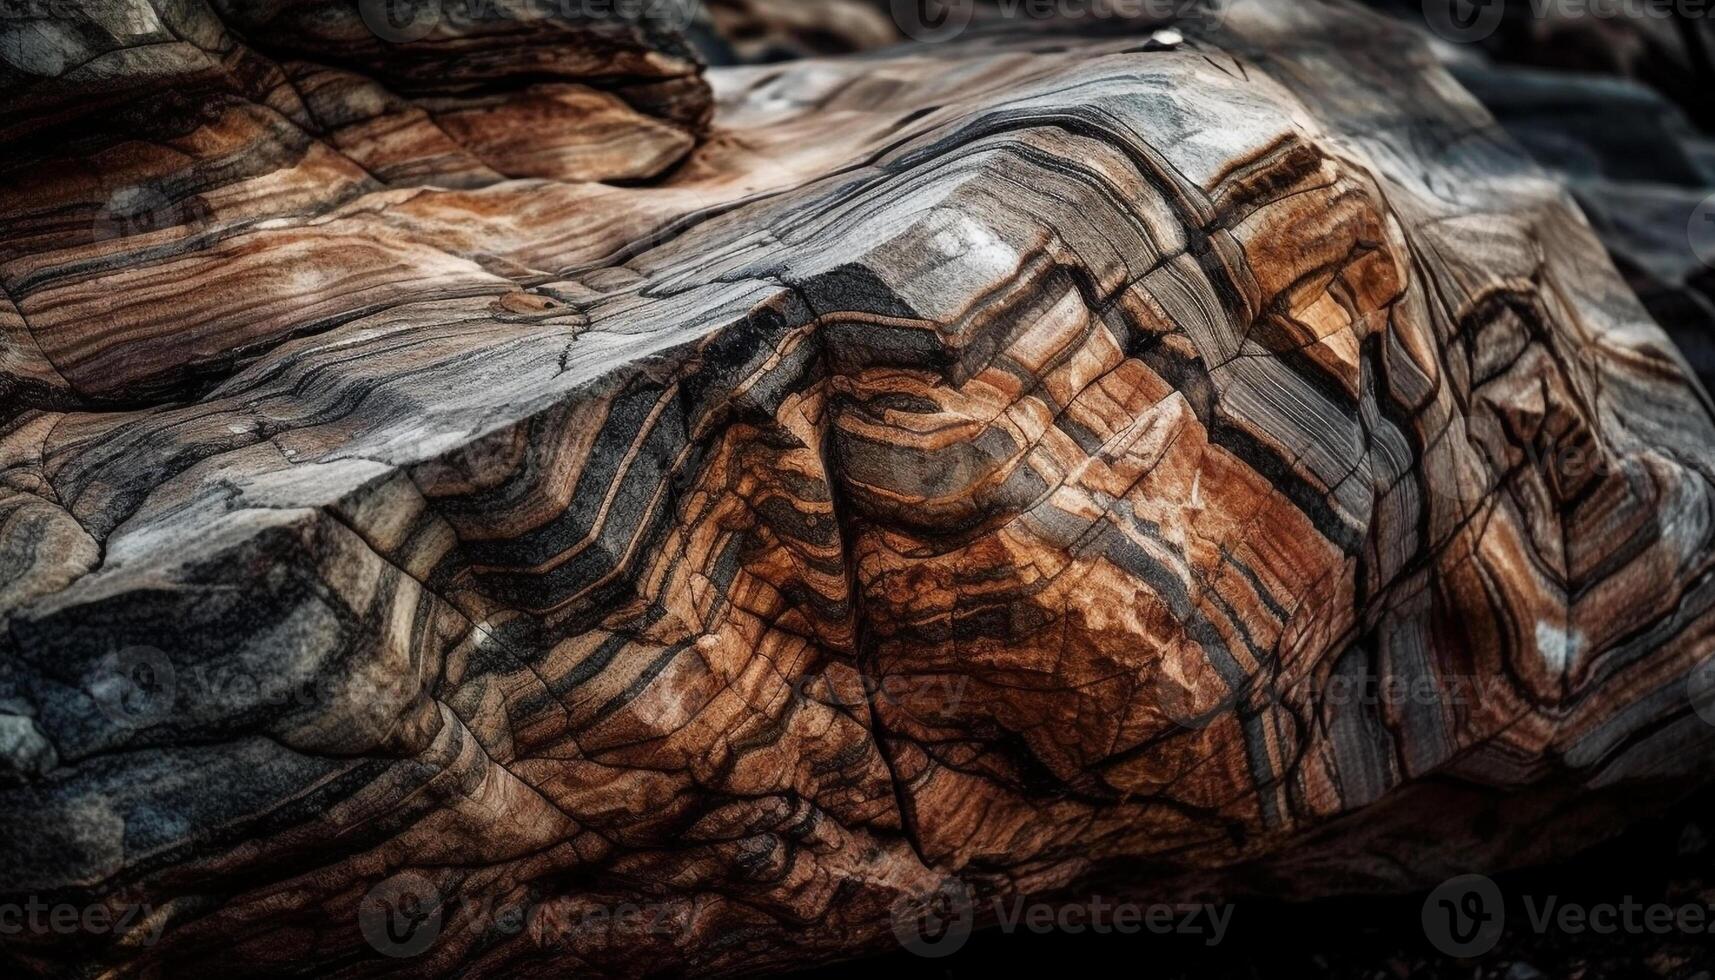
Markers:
(1202, 465)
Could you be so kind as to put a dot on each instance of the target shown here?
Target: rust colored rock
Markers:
(1214, 465)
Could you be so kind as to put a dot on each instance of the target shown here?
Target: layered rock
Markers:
(179, 175)
(1210, 463)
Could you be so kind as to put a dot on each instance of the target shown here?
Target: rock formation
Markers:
(496, 455)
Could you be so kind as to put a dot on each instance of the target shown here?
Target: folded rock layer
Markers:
(1006, 466)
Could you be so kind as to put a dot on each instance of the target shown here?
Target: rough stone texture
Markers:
(1224, 465)
(1588, 129)
(1616, 108)
(184, 176)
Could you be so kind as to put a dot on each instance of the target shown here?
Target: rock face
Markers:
(458, 467)
(187, 189)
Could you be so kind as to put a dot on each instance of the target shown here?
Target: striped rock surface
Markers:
(995, 469)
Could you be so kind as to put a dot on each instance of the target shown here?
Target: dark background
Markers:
(1668, 860)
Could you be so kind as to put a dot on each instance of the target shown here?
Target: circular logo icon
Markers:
(1465, 916)
(1464, 21)
(1700, 689)
(134, 687)
(401, 916)
(400, 21)
(1701, 231)
(933, 21)
(937, 924)
(136, 211)
(510, 920)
